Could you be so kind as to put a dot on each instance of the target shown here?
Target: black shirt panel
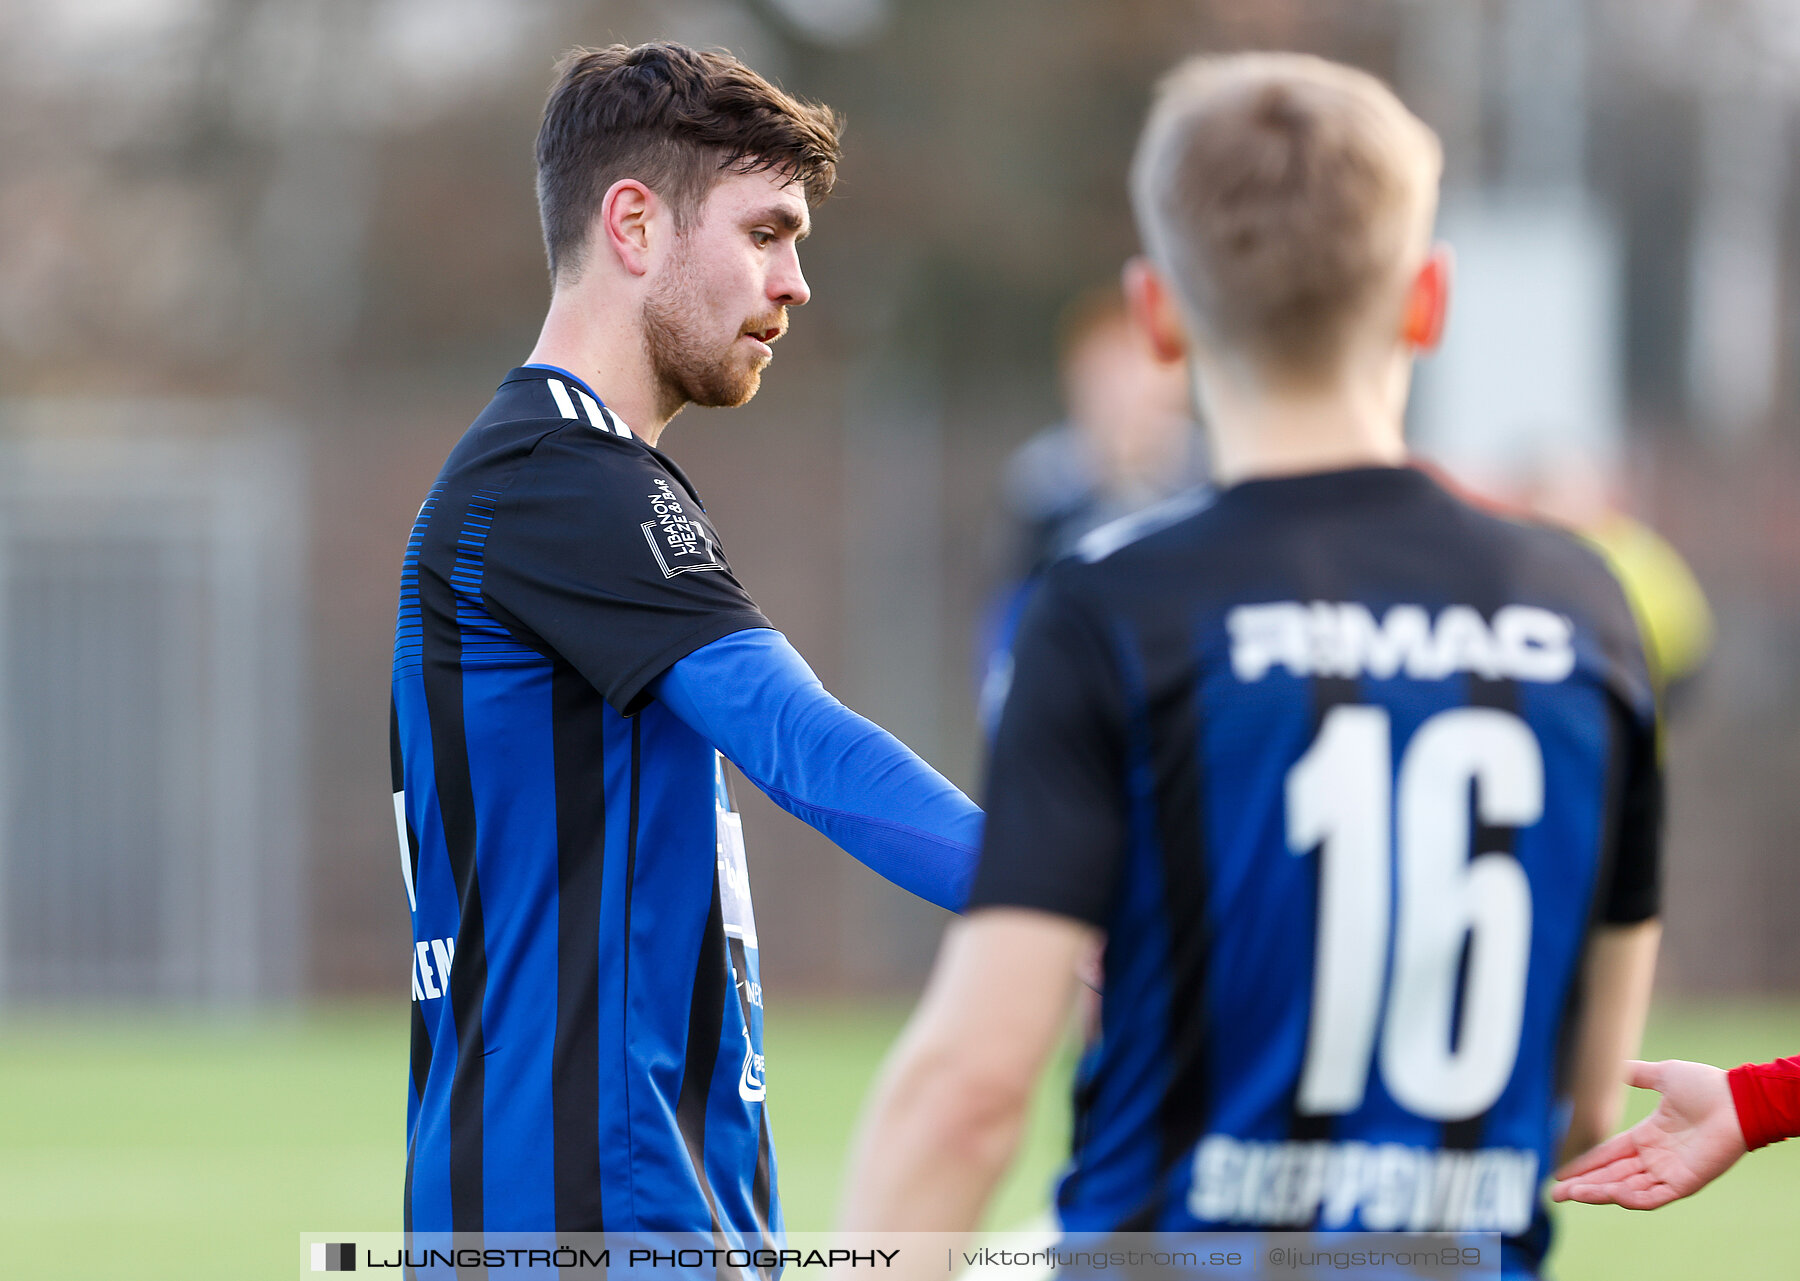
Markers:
(1633, 892)
(1056, 805)
(599, 551)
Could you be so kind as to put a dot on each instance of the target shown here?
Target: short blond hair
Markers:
(1282, 196)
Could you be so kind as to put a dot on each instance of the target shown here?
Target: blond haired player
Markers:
(1356, 783)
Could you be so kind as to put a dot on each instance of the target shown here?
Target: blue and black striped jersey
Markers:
(587, 1011)
(1346, 770)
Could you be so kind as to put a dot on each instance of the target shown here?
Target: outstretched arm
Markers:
(945, 1115)
(753, 697)
(1707, 1119)
(1690, 1140)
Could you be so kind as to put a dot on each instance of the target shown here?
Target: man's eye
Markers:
(763, 239)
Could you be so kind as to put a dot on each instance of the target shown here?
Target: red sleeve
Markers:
(1767, 1096)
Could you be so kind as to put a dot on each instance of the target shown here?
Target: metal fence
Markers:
(151, 718)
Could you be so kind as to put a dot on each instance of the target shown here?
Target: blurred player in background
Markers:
(1129, 442)
(1357, 782)
(573, 655)
(1707, 1119)
(1576, 491)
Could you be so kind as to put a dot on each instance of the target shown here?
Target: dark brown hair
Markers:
(676, 119)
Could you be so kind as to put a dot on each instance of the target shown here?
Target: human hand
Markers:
(1691, 1139)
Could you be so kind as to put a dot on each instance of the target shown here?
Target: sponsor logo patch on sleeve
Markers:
(678, 538)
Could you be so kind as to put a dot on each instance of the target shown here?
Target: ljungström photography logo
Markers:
(334, 1256)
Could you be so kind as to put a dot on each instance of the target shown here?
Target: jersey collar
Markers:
(571, 398)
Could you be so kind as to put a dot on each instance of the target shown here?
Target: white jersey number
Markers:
(1340, 802)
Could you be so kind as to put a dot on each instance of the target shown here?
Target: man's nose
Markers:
(787, 286)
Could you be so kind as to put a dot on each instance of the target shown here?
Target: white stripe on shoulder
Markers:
(615, 422)
(593, 409)
(562, 397)
(1100, 543)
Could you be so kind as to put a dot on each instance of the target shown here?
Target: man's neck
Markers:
(1264, 431)
(605, 349)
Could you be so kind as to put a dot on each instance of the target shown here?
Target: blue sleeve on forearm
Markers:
(754, 698)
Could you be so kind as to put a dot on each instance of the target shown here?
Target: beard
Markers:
(690, 365)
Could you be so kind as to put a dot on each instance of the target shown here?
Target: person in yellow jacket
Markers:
(1573, 489)
(1672, 610)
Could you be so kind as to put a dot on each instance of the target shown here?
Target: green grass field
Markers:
(198, 1148)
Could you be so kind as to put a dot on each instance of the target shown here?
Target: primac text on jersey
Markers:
(1325, 638)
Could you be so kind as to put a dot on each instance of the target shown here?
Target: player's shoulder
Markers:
(1545, 564)
(1108, 559)
(554, 399)
(544, 432)
(1117, 536)
(534, 401)
(1546, 559)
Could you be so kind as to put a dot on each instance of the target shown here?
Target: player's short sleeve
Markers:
(1056, 799)
(1581, 583)
(1633, 891)
(603, 556)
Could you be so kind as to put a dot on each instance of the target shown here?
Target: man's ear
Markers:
(1428, 300)
(624, 222)
(1154, 310)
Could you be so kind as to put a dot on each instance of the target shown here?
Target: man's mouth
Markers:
(760, 338)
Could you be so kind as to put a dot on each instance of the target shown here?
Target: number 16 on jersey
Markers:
(1343, 799)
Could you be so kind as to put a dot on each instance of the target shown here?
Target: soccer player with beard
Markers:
(573, 655)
